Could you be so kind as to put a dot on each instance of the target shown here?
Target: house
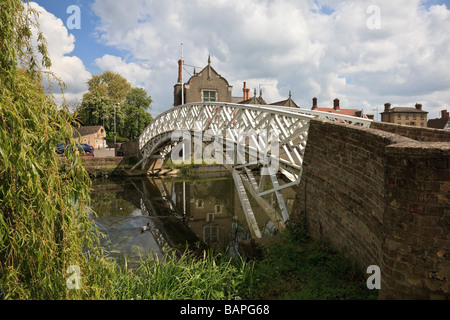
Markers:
(209, 86)
(94, 136)
(204, 86)
(405, 115)
(286, 103)
(442, 123)
(337, 109)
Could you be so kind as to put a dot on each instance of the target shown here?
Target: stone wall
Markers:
(416, 133)
(354, 193)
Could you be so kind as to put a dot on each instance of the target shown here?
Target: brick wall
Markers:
(416, 133)
(351, 180)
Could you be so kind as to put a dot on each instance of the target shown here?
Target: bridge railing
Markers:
(278, 135)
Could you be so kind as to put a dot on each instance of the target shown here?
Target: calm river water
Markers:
(195, 213)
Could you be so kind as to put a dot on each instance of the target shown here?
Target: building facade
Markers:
(209, 86)
(94, 136)
(204, 86)
(405, 115)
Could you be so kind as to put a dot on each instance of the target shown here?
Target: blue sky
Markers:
(315, 48)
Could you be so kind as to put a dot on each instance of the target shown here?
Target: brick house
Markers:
(94, 136)
(209, 86)
(204, 86)
(405, 115)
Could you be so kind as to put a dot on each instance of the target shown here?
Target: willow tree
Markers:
(44, 224)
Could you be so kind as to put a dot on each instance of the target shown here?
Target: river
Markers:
(196, 213)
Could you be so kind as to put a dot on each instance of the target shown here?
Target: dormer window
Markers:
(209, 96)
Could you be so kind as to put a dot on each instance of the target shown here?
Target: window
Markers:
(209, 96)
(210, 234)
(414, 116)
(199, 204)
(421, 117)
(218, 208)
(399, 116)
(406, 116)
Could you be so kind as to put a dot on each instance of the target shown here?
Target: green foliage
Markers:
(209, 277)
(297, 267)
(110, 97)
(44, 223)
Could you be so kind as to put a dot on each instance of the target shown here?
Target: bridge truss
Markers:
(256, 144)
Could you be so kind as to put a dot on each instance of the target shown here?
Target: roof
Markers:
(254, 100)
(346, 112)
(438, 123)
(84, 131)
(285, 103)
(405, 109)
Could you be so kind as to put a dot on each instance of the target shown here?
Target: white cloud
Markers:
(60, 44)
(137, 75)
(294, 45)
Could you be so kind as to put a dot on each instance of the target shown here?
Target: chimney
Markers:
(445, 114)
(387, 107)
(246, 92)
(336, 104)
(180, 71)
(314, 103)
(418, 106)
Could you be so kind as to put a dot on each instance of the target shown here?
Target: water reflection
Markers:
(198, 214)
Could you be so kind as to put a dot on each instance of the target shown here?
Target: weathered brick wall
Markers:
(346, 194)
(417, 221)
(416, 133)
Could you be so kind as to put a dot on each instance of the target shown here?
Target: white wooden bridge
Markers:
(257, 144)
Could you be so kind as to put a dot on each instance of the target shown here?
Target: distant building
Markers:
(338, 110)
(209, 86)
(405, 115)
(286, 103)
(442, 123)
(204, 86)
(94, 136)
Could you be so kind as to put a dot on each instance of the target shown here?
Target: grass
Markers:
(296, 267)
(208, 277)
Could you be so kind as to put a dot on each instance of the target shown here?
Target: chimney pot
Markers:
(180, 71)
(336, 104)
(314, 103)
(418, 106)
(246, 92)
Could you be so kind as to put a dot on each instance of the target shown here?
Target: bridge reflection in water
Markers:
(197, 214)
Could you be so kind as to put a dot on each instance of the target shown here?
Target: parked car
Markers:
(60, 148)
(88, 150)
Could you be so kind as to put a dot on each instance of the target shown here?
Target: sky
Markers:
(365, 53)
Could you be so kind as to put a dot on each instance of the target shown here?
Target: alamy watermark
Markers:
(373, 281)
(74, 280)
(373, 22)
(74, 20)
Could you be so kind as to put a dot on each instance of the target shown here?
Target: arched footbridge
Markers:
(257, 144)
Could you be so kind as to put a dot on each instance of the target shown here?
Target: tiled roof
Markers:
(347, 112)
(406, 109)
(84, 131)
(438, 123)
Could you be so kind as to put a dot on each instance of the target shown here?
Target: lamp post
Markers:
(115, 122)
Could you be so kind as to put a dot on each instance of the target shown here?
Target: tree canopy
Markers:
(111, 97)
